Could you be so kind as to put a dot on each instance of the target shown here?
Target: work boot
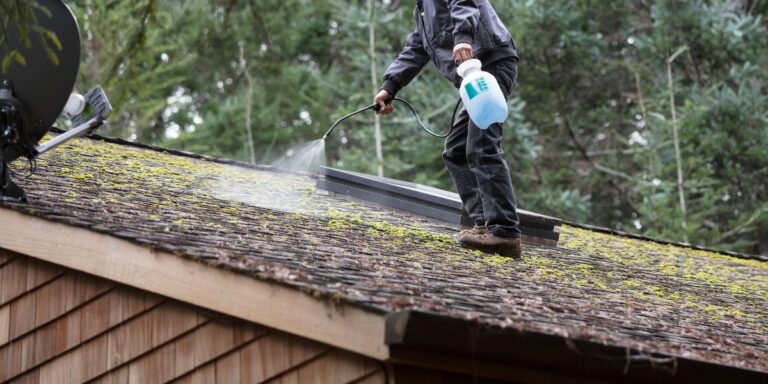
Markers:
(489, 243)
(476, 230)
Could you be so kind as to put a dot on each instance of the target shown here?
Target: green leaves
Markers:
(721, 107)
(10, 57)
(19, 18)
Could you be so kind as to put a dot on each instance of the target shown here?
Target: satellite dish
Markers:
(33, 93)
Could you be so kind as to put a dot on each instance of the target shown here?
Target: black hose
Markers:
(347, 116)
(376, 107)
(31, 159)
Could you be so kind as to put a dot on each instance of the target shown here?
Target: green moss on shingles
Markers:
(122, 172)
(670, 260)
(549, 273)
(230, 210)
(337, 225)
(497, 261)
(392, 234)
(720, 273)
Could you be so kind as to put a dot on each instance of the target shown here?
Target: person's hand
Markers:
(383, 99)
(462, 52)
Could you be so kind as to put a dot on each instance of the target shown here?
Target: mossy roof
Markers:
(595, 286)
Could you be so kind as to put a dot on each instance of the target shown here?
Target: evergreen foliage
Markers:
(590, 136)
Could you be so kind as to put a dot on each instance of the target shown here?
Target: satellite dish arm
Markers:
(96, 113)
(81, 130)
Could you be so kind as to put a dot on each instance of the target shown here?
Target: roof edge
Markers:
(267, 303)
(413, 333)
(610, 231)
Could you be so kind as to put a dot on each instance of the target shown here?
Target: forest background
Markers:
(644, 116)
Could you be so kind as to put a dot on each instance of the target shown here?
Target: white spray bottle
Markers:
(481, 95)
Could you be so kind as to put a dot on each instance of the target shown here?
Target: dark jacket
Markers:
(440, 25)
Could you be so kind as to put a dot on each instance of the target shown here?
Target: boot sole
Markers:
(500, 250)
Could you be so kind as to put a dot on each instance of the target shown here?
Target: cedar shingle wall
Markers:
(62, 326)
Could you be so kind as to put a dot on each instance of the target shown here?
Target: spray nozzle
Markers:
(374, 107)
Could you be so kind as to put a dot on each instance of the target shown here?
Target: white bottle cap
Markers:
(75, 105)
(467, 66)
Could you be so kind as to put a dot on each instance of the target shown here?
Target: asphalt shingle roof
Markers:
(595, 286)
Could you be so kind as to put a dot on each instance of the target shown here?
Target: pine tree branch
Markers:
(741, 227)
(583, 150)
(136, 40)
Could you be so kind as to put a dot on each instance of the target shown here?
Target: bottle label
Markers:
(476, 87)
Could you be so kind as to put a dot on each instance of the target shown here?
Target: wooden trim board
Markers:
(269, 304)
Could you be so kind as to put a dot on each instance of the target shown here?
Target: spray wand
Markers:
(376, 108)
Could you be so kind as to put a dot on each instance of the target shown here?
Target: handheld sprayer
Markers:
(481, 94)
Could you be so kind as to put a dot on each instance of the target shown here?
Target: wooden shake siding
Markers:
(63, 326)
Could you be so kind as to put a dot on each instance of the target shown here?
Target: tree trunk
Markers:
(678, 157)
(248, 106)
(375, 84)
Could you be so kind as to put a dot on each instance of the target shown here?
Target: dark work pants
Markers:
(476, 163)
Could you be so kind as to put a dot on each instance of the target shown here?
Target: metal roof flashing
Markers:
(433, 203)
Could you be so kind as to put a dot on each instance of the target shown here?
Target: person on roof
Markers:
(449, 32)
